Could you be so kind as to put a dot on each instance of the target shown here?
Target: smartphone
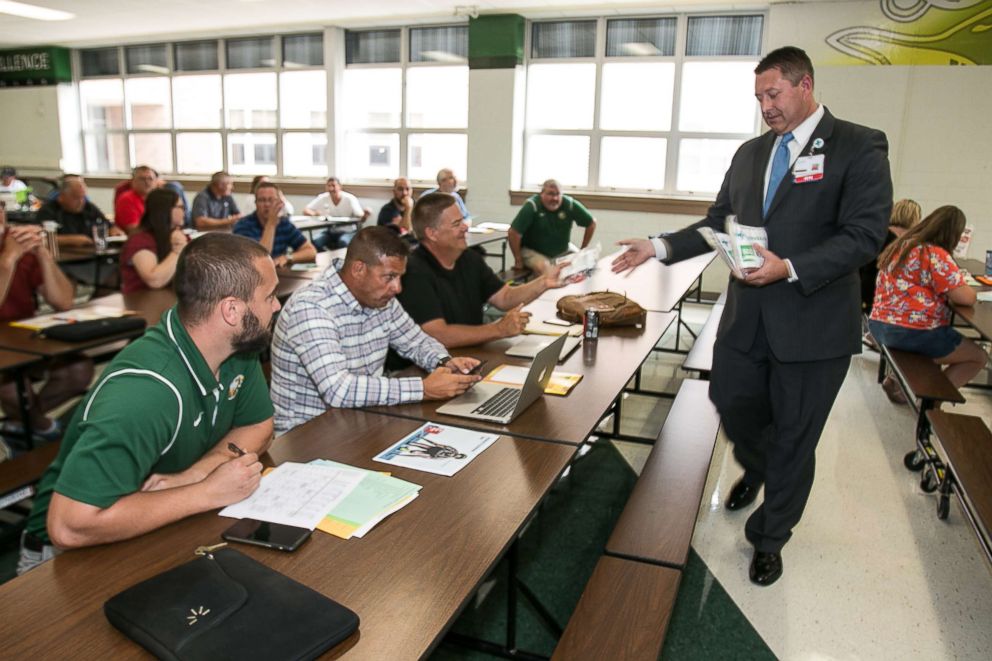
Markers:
(555, 321)
(271, 535)
(478, 368)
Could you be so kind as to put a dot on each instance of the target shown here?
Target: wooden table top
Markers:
(655, 286)
(69, 254)
(10, 360)
(606, 365)
(407, 579)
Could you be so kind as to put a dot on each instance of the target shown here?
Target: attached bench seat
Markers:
(623, 613)
(925, 386)
(19, 475)
(920, 377)
(965, 446)
(700, 357)
(657, 522)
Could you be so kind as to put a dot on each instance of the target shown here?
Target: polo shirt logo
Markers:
(562, 215)
(232, 390)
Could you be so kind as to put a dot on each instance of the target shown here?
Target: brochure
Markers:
(437, 449)
(736, 246)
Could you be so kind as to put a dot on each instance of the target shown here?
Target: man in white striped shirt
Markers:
(331, 339)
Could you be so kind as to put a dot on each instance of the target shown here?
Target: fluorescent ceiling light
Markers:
(640, 48)
(31, 11)
(153, 68)
(442, 56)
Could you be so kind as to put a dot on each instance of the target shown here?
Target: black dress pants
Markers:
(774, 412)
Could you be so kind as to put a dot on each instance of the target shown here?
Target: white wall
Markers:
(30, 133)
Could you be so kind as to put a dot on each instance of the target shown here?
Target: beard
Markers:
(252, 338)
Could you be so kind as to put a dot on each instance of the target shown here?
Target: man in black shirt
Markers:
(446, 285)
(74, 213)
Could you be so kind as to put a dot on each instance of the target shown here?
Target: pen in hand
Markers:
(236, 450)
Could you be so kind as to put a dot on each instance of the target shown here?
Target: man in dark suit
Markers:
(821, 188)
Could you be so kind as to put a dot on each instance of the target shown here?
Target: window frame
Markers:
(673, 136)
(403, 130)
(223, 130)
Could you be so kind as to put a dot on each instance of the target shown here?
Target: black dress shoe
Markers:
(765, 568)
(742, 495)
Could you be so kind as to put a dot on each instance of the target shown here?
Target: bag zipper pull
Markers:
(207, 550)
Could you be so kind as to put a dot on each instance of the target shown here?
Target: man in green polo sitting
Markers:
(151, 442)
(543, 227)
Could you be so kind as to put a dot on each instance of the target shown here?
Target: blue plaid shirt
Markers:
(286, 233)
(329, 351)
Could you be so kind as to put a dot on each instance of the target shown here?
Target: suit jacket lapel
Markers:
(823, 131)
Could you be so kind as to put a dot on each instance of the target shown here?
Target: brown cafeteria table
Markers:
(606, 365)
(407, 579)
(655, 286)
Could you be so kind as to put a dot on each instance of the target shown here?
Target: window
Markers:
(658, 105)
(100, 62)
(405, 103)
(201, 106)
(152, 59)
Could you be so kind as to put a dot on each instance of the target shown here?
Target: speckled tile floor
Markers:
(870, 573)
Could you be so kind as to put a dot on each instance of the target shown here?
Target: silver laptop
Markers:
(530, 345)
(500, 403)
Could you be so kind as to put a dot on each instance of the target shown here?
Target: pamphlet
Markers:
(581, 262)
(72, 316)
(437, 449)
(736, 246)
(374, 498)
(561, 383)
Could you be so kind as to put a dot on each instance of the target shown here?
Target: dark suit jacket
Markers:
(828, 228)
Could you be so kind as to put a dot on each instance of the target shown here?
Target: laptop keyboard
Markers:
(501, 404)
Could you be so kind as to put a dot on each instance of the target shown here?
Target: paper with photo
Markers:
(437, 449)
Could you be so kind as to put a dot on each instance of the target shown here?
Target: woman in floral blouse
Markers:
(917, 280)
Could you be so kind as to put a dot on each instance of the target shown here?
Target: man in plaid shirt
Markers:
(332, 336)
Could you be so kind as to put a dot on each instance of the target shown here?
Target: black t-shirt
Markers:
(72, 223)
(431, 291)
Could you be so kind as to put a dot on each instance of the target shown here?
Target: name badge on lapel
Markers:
(808, 168)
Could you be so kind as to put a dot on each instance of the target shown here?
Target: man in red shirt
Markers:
(27, 268)
(130, 205)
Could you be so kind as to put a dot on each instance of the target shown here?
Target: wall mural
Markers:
(922, 32)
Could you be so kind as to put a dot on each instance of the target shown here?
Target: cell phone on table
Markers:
(270, 535)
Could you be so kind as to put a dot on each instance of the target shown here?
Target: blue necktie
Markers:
(780, 165)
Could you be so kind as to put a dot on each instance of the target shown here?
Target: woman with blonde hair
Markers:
(905, 214)
(917, 281)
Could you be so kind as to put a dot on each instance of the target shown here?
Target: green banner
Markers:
(41, 65)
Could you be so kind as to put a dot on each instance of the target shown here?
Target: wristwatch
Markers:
(442, 362)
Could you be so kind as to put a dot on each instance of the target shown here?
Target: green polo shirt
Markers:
(548, 232)
(157, 408)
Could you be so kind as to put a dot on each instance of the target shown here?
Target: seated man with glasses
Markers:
(75, 214)
(446, 285)
(267, 225)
